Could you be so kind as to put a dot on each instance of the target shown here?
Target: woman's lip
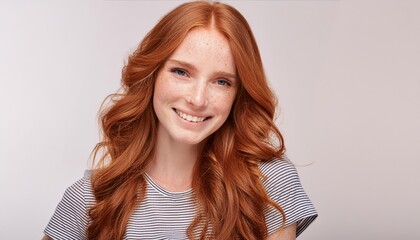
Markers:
(191, 114)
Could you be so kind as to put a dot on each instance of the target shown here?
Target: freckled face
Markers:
(195, 88)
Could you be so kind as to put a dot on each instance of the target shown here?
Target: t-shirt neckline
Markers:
(157, 187)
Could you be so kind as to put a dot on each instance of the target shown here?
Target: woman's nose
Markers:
(198, 95)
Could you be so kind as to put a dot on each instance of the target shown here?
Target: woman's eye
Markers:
(179, 72)
(223, 82)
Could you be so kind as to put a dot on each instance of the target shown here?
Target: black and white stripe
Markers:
(283, 187)
(166, 215)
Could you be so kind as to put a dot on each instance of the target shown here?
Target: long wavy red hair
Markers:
(230, 197)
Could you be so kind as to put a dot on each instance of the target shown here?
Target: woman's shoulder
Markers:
(278, 170)
(282, 184)
(81, 188)
(281, 162)
(280, 179)
(78, 196)
(70, 218)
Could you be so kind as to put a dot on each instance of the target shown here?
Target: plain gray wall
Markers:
(346, 74)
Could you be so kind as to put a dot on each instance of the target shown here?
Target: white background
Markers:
(346, 73)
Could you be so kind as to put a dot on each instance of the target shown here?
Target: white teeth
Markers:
(189, 117)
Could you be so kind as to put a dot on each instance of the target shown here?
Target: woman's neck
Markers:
(173, 165)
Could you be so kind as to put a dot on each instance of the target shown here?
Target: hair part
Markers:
(230, 197)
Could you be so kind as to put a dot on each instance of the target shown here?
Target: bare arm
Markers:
(287, 233)
(46, 238)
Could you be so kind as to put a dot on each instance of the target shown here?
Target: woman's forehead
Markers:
(206, 47)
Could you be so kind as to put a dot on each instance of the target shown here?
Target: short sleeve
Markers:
(70, 218)
(283, 186)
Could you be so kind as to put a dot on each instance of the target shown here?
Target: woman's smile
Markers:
(190, 118)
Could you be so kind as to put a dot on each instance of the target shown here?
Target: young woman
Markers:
(191, 149)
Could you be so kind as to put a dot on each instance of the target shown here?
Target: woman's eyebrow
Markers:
(225, 74)
(183, 64)
(192, 67)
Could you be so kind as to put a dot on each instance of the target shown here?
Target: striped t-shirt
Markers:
(166, 215)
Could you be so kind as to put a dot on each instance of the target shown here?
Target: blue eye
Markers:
(223, 82)
(179, 72)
